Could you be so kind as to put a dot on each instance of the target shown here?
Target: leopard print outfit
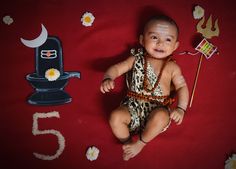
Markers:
(138, 108)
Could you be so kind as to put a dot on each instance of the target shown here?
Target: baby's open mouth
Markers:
(159, 50)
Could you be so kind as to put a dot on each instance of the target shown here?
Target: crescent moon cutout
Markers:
(37, 41)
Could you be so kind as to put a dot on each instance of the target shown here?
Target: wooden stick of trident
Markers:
(196, 79)
(206, 49)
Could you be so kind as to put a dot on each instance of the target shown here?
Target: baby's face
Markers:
(159, 39)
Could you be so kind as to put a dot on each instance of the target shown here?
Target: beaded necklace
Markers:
(146, 82)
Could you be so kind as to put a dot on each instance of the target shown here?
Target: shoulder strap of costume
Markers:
(137, 53)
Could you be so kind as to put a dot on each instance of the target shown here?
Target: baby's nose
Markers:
(160, 42)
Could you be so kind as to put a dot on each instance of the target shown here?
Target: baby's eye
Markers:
(154, 37)
(168, 40)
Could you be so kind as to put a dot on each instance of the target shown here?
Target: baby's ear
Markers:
(176, 44)
(141, 39)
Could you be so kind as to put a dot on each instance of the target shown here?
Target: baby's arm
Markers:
(182, 94)
(115, 71)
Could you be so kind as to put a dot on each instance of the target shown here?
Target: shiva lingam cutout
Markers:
(49, 78)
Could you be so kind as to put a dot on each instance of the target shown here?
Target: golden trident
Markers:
(207, 33)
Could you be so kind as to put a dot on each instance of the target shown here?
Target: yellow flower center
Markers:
(87, 19)
(51, 73)
(199, 12)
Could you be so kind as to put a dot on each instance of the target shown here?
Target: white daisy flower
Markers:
(52, 74)
(87, 19)
(7, 20)
(92, 153)
(230, 163)
(198, 12)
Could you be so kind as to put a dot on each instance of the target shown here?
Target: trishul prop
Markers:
(208, 32)
(204, 47)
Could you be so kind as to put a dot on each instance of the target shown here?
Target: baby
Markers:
(146, 108)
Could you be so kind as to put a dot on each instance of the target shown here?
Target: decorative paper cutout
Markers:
(52, 74)
(92, 153)
(37, 41)
(206, 48)
(198, 12)
(87, 19)
(7, 20)
(50, 79)
(48, 54)
(207, 32)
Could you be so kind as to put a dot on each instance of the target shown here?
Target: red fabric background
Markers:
(205, 139)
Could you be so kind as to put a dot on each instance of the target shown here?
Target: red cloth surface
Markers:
(204, 140)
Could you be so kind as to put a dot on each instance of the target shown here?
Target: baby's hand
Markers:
(107, 85)
(177, 115)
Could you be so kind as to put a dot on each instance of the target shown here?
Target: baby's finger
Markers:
(102, 89)
(111, 84)
(180, 121)
(173, 116)
(177, 120)
(106, 88)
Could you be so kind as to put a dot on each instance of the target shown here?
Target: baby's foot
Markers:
(132, 149)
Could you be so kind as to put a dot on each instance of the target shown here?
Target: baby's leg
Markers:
(119, 120)
(157, 121)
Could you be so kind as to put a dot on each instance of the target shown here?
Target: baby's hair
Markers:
(162, 18)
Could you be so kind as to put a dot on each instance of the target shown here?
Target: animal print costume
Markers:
(141, 102)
